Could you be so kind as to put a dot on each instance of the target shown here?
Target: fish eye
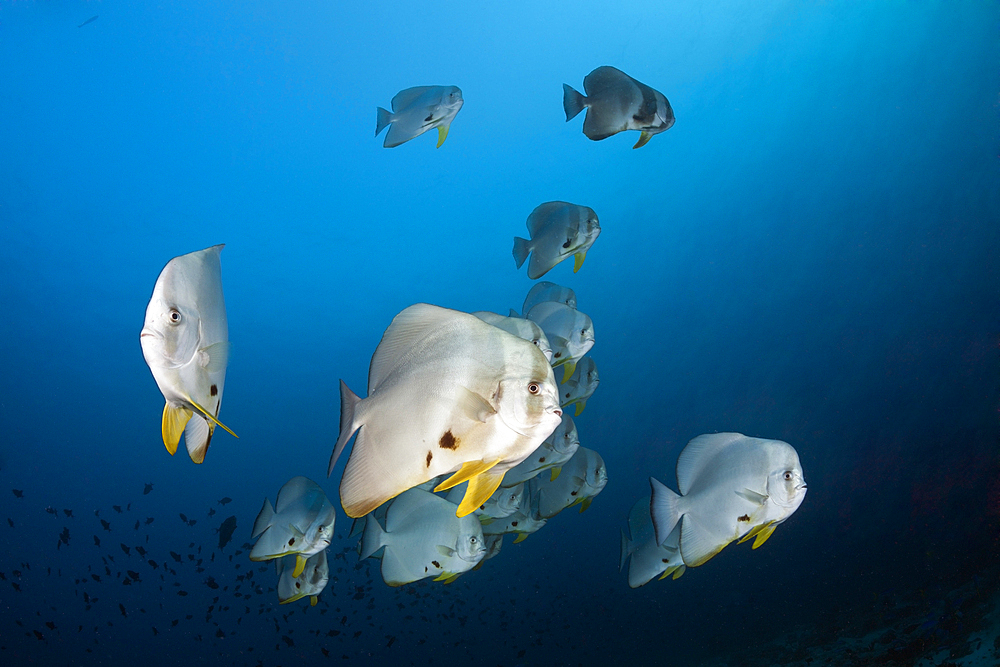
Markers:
(533, 388)
(175, 316)
(788, 476)
(474, 540)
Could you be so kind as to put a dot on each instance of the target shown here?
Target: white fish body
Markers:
(504, 501)
(522, 523)
(646, 559)
(546, 291)
(185, 341)
(558, 230)
(570, 333)
(417, 110)
(616, 102)
(580, 386)
(447, 393)
(550, 456)
(423, 538)
(519, 327)
(733, 487)
(301, 523)
(583, 477)
(493, 545)
(311, 582)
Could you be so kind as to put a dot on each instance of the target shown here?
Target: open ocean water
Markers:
(809, 254)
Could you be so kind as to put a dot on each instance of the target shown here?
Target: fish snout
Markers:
(148, 333)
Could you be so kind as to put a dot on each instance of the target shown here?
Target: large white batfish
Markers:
(570, 333)
(521, 328)
(546, 291)
(504, 502)
(616, 102)
(583, 477)
(416, 110)
(185, 340)
(558, 230)
(646, 559)
(311, 582)
(300, 524)
(580, 386)
(447, 393)
(732, 488)
(550, 456)
(423, 538)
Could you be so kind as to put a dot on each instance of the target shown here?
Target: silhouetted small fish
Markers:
(147, 489)
(97, 542)
(107, 526)
(226, 501)
(226, 531)
(176, 556)
(211, 511)
(117, 508)
(122, 608)
(88, 21)
(128, 552)
(141, 551)
(184, 518)
(50, 510)
(18, 493)
(137, 524)
(148, 521)
(10, 521)
(212, 583)
(68, 513)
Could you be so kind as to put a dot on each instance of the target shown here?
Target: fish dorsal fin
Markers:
(405, 98)
(606, 79)
(514, 313)
(293, 490)
(263, 520)
(699, 455)
(542, 215)
(639, 523)
(215, 358)
(407, 329)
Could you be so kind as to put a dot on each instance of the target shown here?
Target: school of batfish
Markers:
(464, 434)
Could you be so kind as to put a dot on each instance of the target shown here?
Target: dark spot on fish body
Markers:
(436, 564)
(745, 517)
(573, 493)
(291, 541)
(430, 456)
(429, 119)
(298, 584)
(214, 391)
(514, 524)
(666, 560)
(541, 460)
(557, 355)
(448, 441)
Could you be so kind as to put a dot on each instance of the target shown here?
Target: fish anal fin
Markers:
(174, 421)
(468, 470)
(300, 564)
(481, 487)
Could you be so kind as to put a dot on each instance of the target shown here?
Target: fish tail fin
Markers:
(573, 102)
(197, 437)
(663, 509)
(381, 119)
(373, 538)
(348, 402)
(624, 552)
(521, 249)
(263, 519)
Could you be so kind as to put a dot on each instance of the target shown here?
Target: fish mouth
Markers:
(557, 412)
(148, 333)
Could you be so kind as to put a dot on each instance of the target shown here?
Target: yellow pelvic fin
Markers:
(485, 520)
(643, 139)
(444, 575)
(442, 134)
(763, 535)
(174, 421)
(568, 369)
(586, 503)
(755, 531)
(555, 473)
(667, 573)
(300, 564)
(452, 578)
(578, 260)
(681, 569)
(212, 418)
(521, 537)
(313, 599)
(580, 405)
(468, 470)
(481, 487)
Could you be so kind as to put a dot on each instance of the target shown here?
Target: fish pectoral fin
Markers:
(643, 140)
(447, 552)
(521, 537)
(555, 473)
(474, 405)
(174, 421)
(209, 416)
(578, 260)
(300, 564)
(752, 496)
(442, 134)
(481, 487)
(468, 470)
(215, 358)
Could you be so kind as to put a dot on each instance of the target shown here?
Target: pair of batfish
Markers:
(615, 102)
(732, 487)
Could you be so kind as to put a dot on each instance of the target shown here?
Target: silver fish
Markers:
(558, 230)
(185, 341)
(583, 477)
(416, 110)
(570, 333)
(300, 524)
(311, 582)
(646, 559)
(580, 386)
(546, 291)
(504, 502)
(732, 488)
(447, 393)
(550, 456)
(616, 102)
(521, 328)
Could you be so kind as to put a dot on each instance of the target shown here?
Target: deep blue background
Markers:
(809, 254)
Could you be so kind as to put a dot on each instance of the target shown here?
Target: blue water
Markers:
(809, 254)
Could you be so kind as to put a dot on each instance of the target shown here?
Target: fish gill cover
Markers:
(806, 254)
